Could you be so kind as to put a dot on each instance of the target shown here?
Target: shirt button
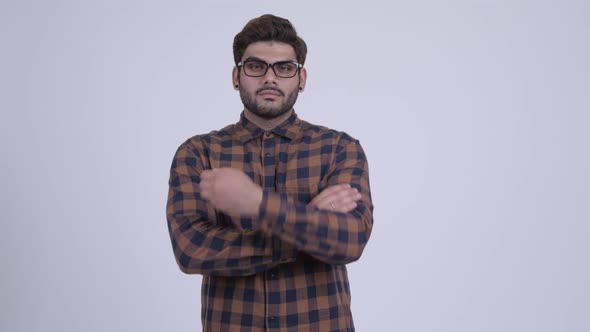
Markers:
(273, 273)
(268, 154)
(267, 133)
(272, 318)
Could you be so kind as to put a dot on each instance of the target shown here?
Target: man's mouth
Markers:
(270, 93)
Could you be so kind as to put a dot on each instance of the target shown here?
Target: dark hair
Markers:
(269, 28)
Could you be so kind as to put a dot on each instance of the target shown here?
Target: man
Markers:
(269, 210)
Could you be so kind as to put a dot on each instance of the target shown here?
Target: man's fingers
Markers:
(205, 189)
(342, 207)
(336, 188)
(206, 184)
(209, 173)
(345, 196)
(340, 198)
(331, 193)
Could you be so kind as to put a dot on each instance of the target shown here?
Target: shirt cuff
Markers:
(272, 211)
(271, 217)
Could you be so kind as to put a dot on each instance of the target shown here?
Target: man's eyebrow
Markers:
(253, 58)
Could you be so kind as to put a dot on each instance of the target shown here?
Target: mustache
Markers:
(277, 90)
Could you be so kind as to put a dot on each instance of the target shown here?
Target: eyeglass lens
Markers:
(284, 69)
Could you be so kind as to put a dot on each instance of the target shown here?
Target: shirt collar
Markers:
(247, 130)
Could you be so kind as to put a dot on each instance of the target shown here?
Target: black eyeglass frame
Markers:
(270, 65)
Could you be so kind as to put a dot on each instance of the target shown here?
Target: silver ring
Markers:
(332, 205)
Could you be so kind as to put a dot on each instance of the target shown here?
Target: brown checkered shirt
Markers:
(283, 270)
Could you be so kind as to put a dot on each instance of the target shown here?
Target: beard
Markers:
(268, 112)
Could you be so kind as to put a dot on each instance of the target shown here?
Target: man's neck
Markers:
(267, 124)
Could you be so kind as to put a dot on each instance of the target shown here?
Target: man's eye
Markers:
(255, 66)
(286, 67)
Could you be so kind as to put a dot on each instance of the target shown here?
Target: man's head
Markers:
(269, 28)
(269, 71)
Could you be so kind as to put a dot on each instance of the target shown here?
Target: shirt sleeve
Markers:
(332, 237)
(200, 241)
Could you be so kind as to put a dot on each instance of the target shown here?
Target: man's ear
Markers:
(302, 78)
(235, 78)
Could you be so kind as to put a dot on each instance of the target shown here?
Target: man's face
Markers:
(269, 96)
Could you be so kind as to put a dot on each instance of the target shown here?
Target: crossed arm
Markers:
(334, 227)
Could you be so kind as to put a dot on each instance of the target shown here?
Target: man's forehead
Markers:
(270, 51)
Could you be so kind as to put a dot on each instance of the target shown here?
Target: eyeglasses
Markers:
(257, 68)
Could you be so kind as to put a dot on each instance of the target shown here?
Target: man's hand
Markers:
(231, 191)
(339, 198)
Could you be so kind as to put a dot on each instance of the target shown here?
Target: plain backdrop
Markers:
(474, 116)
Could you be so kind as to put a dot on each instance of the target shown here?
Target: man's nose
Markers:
(270, 76)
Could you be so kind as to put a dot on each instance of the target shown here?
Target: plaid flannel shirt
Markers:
(283, 270)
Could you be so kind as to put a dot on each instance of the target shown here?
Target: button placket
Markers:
(268, 160)
(273, 295)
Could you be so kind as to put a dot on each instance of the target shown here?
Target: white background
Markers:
(474, 116)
